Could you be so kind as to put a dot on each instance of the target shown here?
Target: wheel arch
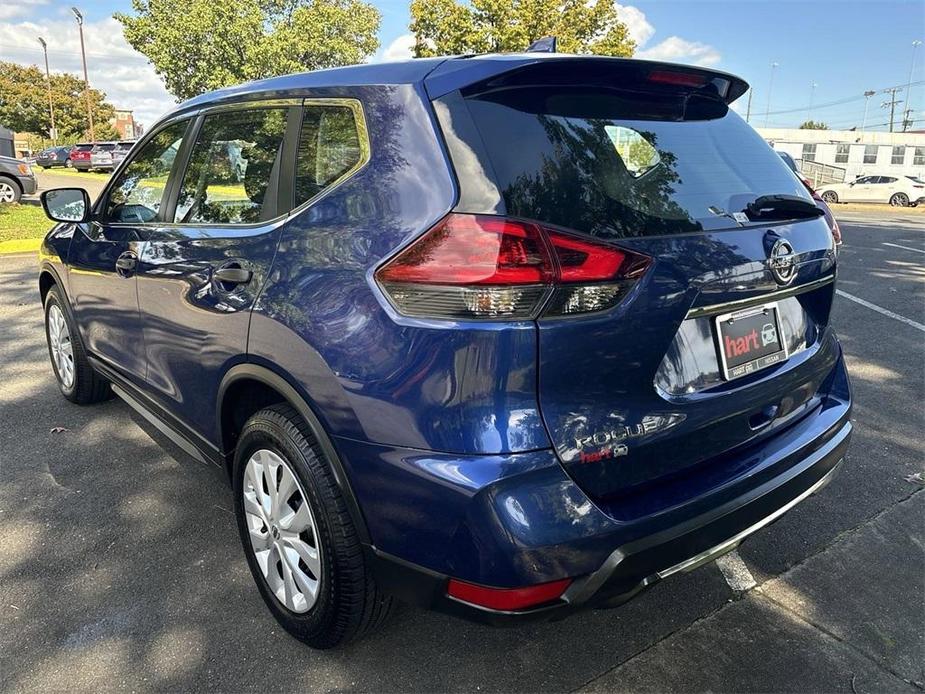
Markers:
(269, 387)
(12, 179)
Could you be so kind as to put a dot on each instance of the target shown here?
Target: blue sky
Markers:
(843, 47)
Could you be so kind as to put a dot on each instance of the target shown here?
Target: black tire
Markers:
(349, 603)
(899, 200)
(88, 386)
(10, 187)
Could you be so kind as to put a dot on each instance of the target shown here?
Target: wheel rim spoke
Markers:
(282, 530)
(62, 350)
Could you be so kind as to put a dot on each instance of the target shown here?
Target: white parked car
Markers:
(899, 191)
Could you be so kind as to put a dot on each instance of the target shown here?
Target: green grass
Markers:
(22, 222)
(73, 173)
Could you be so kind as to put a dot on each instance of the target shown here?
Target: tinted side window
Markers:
(136, 194)
(231, 168)
(329, 147)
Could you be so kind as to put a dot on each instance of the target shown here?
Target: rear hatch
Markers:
(715, 346)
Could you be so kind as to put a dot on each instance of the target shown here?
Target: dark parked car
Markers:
(502, 336)
(122, 149)
(16, 179)
(54, 156)
(80, 155)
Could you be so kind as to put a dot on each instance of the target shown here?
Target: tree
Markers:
(24, 104)
(813, 125)
(201, 45)
(446, 27)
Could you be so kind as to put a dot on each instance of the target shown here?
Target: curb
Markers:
(20, 246)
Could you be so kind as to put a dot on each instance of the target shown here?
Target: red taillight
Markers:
(507, 598)
(682, 79)
(479, 266)
(836, 231)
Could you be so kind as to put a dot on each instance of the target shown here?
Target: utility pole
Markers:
(51, 105)
(908, 111)
(908, 120)
(767, 111)
(748, 107)
(891, 103)
(867, 96)
(83, 56)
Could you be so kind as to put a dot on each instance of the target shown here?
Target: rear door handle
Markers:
(126, 263)
(233, 275)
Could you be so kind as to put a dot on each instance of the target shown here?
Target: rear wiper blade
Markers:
(782, 207)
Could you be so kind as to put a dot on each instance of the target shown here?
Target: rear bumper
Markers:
(634, 566)
(519, 520)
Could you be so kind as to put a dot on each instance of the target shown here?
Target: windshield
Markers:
(915, 179)
(617, 164)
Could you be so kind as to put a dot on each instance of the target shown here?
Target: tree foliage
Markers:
(445, 27)
(813, 125)
(24, 104)
(201, 45)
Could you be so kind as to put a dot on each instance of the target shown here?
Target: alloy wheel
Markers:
(830, 197)
(899, 200)
(62, 351)
(7, 194)
(282, 530)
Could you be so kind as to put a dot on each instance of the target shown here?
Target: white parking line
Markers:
(878, 309)
(905, 248)
(736, 573)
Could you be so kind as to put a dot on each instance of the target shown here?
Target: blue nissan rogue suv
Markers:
(503, 336)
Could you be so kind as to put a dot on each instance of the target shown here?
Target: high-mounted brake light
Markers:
(479, 266)
(682, 79)
(507, 598)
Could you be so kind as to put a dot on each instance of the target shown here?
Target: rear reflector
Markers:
(479, 266)
(507, 598)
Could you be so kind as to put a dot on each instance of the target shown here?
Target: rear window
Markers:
(619, 164)
(104, 148)
(83, 148)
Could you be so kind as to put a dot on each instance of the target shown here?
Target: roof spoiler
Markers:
(480, 74)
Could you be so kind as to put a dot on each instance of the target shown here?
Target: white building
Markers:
(844, 155)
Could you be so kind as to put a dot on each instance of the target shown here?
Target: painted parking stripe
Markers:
(905, 248)
(881, 310)
(736, 573)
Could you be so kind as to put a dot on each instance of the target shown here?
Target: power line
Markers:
(839, 102)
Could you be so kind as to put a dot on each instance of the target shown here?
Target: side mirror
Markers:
(66, 204)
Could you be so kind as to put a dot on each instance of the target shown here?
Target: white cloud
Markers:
(114, 67)
(639, 28)
(19, 8)
(678, 50)
(400, 49)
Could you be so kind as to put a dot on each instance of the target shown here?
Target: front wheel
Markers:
(830, 197)
(899, 200)
(300, 542)
(76, 378)
(68, 164)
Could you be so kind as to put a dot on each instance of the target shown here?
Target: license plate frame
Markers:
(770, 313)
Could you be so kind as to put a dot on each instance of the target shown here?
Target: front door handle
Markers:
(233, 275)
(126, 263)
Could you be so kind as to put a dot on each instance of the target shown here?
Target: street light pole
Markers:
(83, 56)
(812, 95)
(51, 106)
(915, 45)
(867, 96)
(767, 111)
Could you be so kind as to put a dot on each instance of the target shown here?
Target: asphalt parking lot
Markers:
(120, 566)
